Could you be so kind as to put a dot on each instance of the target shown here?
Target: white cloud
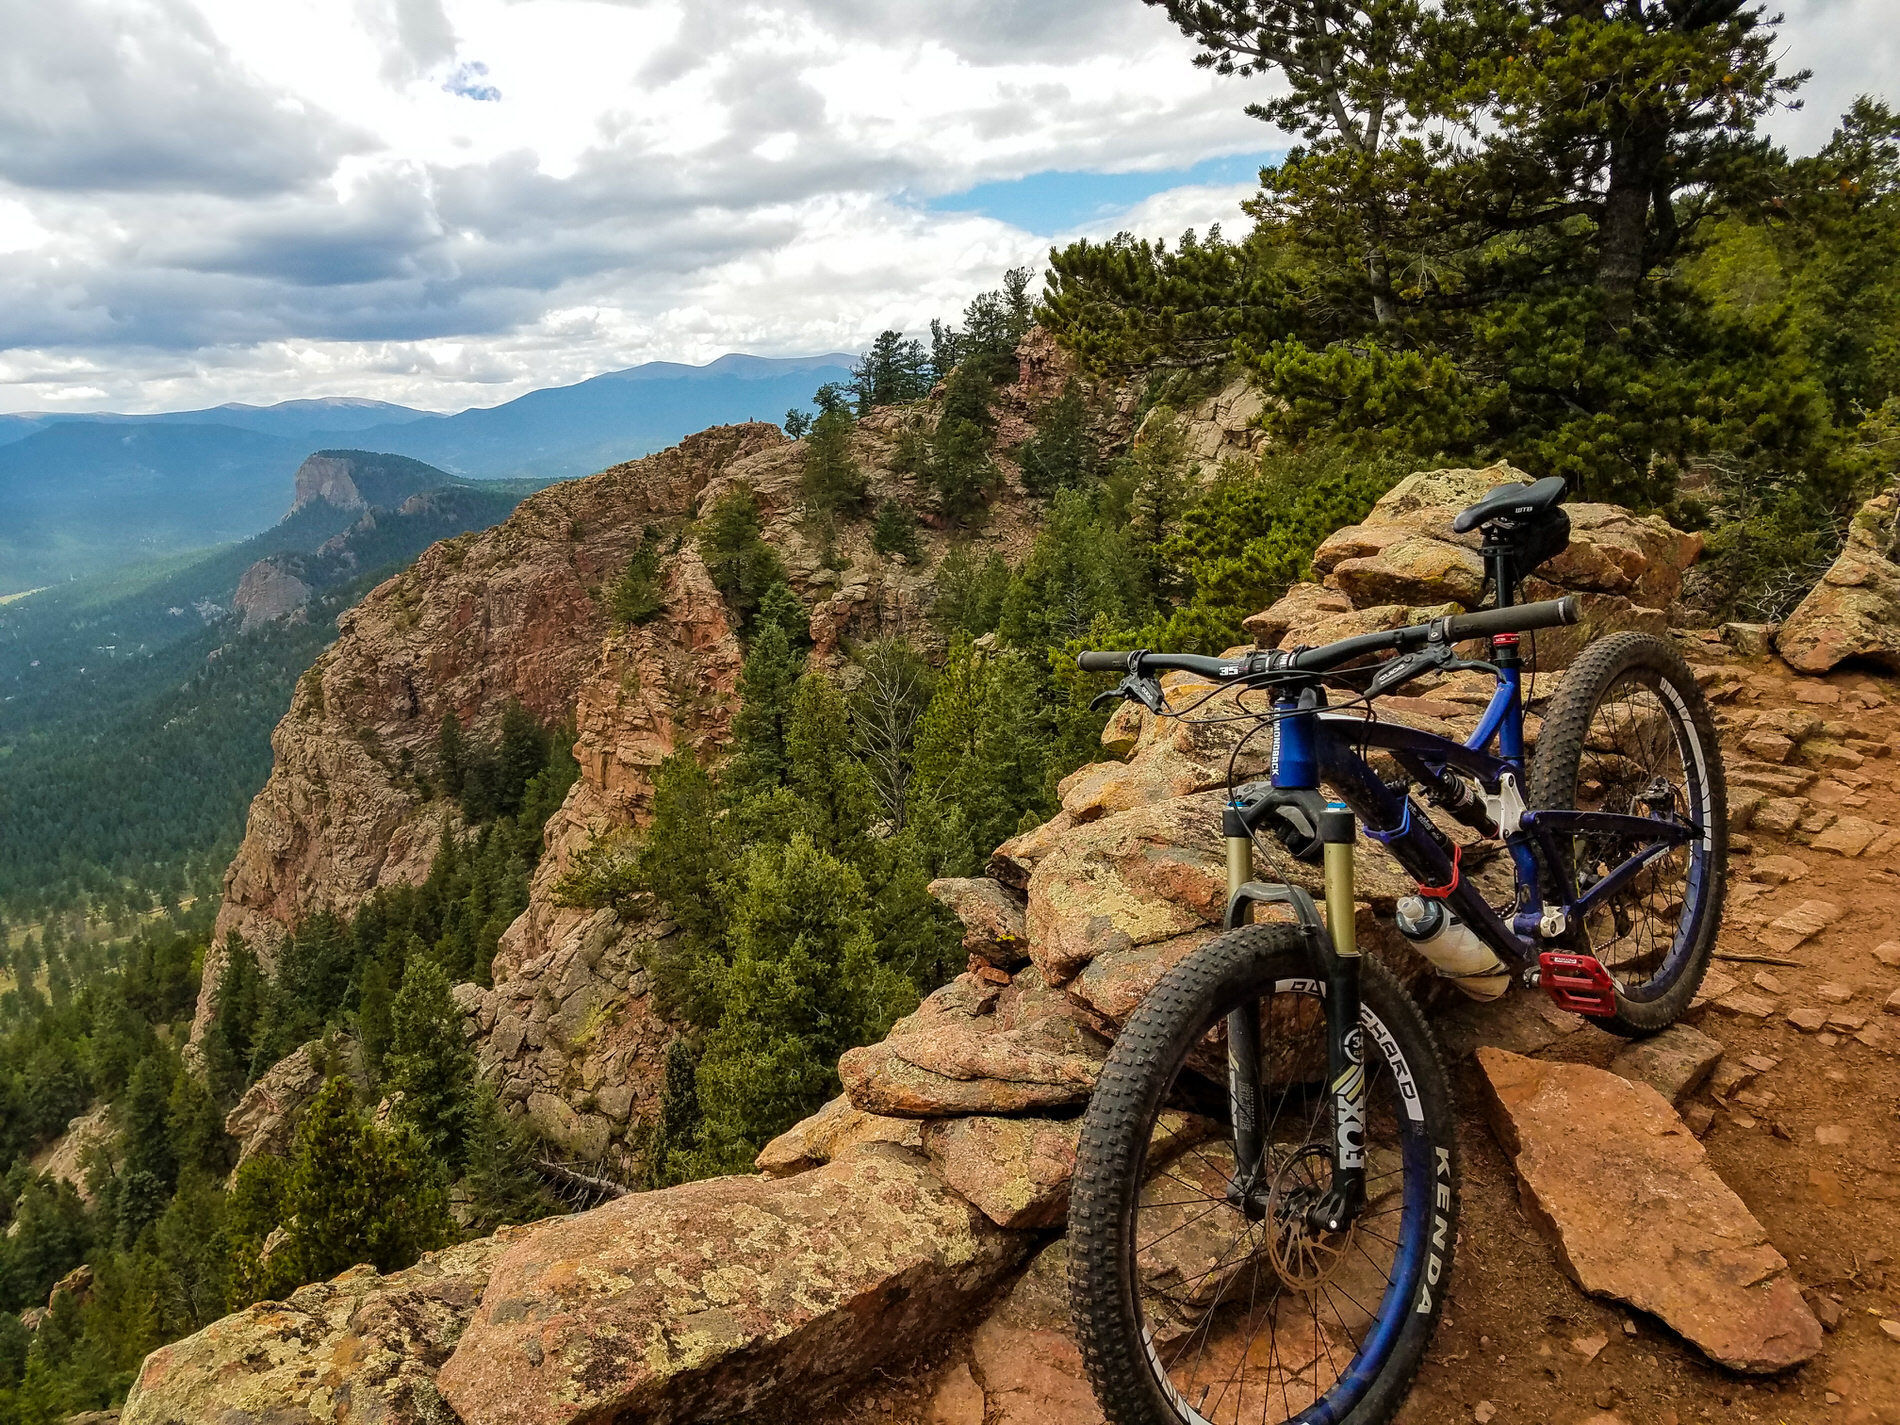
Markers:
(204, 200)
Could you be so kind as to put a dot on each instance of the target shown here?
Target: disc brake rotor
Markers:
(1303, 1257)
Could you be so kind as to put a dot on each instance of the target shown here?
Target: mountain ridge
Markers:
(83, 494)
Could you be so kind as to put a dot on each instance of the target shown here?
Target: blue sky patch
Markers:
(1057, 201)
(466, 81)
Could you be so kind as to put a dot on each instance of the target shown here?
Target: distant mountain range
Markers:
(82, 494)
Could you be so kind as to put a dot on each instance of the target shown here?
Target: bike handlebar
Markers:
(1486, 623)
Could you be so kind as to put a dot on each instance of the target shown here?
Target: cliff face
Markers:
(270, 590)
(478, 621)
(358, 479)
(325, 477)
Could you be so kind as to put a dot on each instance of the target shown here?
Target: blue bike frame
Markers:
(1312, 745)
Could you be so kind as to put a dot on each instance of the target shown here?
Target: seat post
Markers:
(1497, 564)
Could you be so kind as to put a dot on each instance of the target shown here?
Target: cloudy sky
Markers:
(449, 202)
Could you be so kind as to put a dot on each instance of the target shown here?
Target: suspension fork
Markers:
(1243, 1029)
(1336, 954)
(1345, 1039)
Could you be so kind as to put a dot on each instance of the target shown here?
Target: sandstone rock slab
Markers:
(729, 1298)
(1017, 1170)
(357, 1347)
(1628, 1198)
(972, 1049)
(1675, 1062)
(835, 1130)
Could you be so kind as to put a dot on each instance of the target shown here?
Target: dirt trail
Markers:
(1811, 1145)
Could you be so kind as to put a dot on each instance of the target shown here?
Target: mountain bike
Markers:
(1266, 1192)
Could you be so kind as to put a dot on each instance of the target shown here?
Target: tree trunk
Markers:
(1385, 311)
(1622, 257)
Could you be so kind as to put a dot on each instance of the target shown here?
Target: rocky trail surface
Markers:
(1702, 1226)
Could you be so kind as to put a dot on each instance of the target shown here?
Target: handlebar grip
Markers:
(1518, 618)
(1098, 662)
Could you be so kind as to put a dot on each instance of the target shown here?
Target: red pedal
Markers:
(1578, 983)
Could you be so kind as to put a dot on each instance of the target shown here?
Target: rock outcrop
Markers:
(359, 479)
(507, 615)
(358, 1347)
(726, 1299)
(572, 1039)
(267, 593)
(66, 1159)
(1854, 612)
(1626, 1194)
(886, 1220)
(1403, 562)
(265, 1119)
(325, 477)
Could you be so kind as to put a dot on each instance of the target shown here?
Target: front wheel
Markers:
(1630, 732)
(1198, 1303)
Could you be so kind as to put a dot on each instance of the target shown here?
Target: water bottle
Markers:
(1453, 948)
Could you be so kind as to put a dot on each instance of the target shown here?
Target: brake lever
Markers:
(1434, 658)
(1145, 691)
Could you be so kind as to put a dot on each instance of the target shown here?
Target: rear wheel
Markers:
(1194, 1308)
(1630, 732)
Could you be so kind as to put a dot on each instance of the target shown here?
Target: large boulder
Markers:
(992, 918)
(1854, 612)
(733, 1298)
(1627, 1196)
(973, 1047)
(1625, 568)
(1153, 873)
(1016, 1170)
(840, 1127)
(357, 1347)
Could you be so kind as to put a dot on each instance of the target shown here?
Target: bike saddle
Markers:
(1517, 503)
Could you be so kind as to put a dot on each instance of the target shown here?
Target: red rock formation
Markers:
(508, 614)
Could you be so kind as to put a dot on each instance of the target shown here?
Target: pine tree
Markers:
(500, 1185)
(230, 1038)
(676, 1137)
(766, 685)
(357, 1193)
(804, 985)
(782, 607)
(196, 1127)
(1061, 454)
(796, 423)
(637, 595)
(373, 1017)
(895, 530)
(742, 565)
(830, 784)
(834, 481)
(960, 471)
(450, 754)
(429, 1062)
(892, 372)
(1158, 479)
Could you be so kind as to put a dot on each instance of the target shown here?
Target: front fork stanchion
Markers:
(1345, 1040)
(1243, 1046)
